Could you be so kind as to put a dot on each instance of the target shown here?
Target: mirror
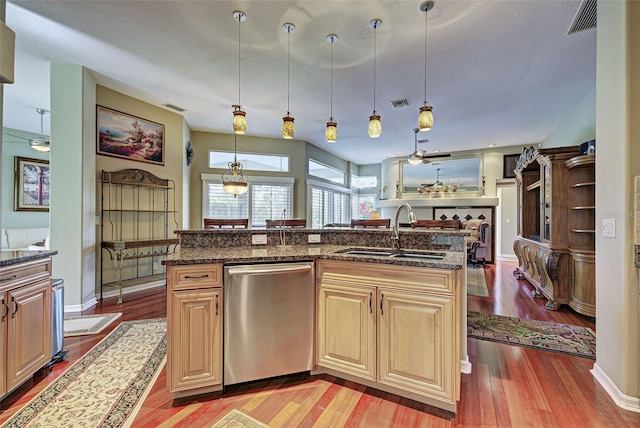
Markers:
(465, 173)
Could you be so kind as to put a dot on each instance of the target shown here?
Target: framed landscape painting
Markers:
(31, 184)
(129, 137)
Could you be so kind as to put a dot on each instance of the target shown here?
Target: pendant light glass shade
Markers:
(239, 120)
(425, 118)
(234, 180)
(375, 127)
(331, 133)
(288, 127)
(239, 115)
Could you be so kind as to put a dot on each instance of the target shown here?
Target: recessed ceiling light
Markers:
(437, 150)
(492, 145)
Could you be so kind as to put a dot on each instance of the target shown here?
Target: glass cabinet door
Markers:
(546, 205)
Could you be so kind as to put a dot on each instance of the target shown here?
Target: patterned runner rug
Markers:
(476, 283)
(105, 386)
(549, 336)
(87, 324)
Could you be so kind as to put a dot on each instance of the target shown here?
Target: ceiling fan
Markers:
(421, 156)
(40, 143)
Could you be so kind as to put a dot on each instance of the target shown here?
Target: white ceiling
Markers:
(499, 72)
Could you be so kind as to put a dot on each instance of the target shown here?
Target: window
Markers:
(364, 182)
(266, 198)
(326, 172)
(250, 161)
(327, 205)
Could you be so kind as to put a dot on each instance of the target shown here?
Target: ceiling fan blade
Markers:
(435, 156)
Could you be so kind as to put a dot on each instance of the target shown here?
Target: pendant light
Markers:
(415, 158)
(425, 118)
(239, 115)
(375, 127)
(42, 143)
(234, 180)
(288, 127)
(331, 133)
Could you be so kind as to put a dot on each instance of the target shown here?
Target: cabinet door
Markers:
(4, 314)
(29, 331)
(195, 339)
(346, 328)
(417, 343)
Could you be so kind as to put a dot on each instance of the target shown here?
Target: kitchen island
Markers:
(388, 321)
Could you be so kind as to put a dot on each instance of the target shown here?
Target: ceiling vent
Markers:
(586, 17)
(172, 107)
(400, 103)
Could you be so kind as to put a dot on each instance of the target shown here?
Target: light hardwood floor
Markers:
(509, 387)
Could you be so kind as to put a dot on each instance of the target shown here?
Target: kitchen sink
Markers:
(386, 253)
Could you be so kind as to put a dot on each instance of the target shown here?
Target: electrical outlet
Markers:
(608, 227)
(259, 239)
(314, 239)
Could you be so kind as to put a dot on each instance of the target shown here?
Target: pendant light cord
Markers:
(425, 55)
(331, 91)
(375, 46)
(239, 24)
(288, 66)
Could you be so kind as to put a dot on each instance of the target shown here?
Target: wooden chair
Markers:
(220, 223)
(382, 222)
(438, 224)
(295, 222)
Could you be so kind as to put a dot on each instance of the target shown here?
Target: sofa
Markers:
(31, 239)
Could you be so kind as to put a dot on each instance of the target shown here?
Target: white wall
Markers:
(506, 221)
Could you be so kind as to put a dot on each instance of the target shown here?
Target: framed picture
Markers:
(31, 184)
(509, 163)
(128, 137)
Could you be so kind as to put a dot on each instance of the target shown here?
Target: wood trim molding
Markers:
(626, 402)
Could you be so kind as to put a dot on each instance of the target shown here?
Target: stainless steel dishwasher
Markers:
(268, 320)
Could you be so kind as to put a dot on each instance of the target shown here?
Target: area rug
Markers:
(106, 386)
(549, 336)
(476, 283)
(87, 324)
(237, 419)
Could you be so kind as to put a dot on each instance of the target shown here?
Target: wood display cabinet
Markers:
(25, 326)
(137, 210)
(394, 328)
(543, 242)
(582, 233)
(194, 329)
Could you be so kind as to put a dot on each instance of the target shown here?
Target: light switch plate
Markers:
(314, 239)
(259, 239)
(608, 227)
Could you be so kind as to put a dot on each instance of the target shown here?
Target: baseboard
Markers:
(507, 258)
(114, 293)
(83, 307)
(465, 365)
(626, 402)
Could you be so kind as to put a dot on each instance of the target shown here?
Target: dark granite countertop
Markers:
(8, 258)
(268, 253)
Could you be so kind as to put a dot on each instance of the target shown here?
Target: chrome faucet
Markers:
(395, 237)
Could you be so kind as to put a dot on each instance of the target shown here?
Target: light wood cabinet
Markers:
(394, 328)
(25, 324)
(194, 323)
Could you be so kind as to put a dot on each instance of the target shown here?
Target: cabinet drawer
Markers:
(23, 273)
(194, 276)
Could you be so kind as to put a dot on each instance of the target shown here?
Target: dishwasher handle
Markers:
(268, 269)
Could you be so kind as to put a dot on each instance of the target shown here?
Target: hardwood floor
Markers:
(509, 387)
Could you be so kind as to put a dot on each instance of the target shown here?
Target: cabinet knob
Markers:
(381, 299)
(6, 310)
(9, 279)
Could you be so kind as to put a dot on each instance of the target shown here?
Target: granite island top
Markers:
(12, 257)
(268, 253)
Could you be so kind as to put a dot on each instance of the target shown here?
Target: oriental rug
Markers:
(548, 336)
(476, 282)
(106, 387)
(237, 419)
(87, 324)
